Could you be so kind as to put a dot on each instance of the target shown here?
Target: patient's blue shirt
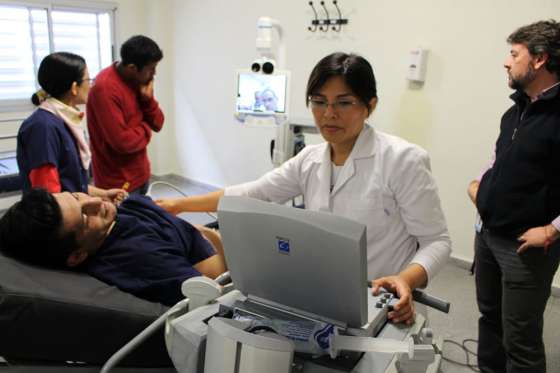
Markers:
(149, 252)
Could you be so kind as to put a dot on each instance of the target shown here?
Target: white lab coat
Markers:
(386, 183)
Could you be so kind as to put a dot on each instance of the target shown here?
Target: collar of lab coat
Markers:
(363, 148)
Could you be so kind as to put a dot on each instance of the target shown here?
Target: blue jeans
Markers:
(511, 292)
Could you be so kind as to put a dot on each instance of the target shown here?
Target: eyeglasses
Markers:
(91, 81)
(340, 106)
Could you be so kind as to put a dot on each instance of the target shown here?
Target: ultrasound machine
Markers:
(299, 302)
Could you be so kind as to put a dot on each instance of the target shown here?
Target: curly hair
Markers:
(541, 37)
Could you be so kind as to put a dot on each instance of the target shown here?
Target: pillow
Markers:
(58, 316)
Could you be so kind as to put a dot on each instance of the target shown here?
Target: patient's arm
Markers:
(211, 267)
(213, 236)
(215, 265)
(198, 203)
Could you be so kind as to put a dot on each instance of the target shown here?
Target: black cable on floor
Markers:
(467, 351)
(469, 340)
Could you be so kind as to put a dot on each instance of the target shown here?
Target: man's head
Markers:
(269, 99)
(535, 52)
(139, 58)
(56, 230)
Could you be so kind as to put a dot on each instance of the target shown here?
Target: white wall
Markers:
(162, 148)
(131, 19)
(455, 115)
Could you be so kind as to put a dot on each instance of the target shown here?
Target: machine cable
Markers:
(136, 341)
(468, 352)
(175, 188)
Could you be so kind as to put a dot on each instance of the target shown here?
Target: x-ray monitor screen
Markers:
(261, 93)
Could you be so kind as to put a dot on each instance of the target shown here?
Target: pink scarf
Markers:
(72, 117)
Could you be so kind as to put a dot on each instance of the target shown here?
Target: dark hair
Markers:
(356, 71)
(541, 37)
(31, 231)
(140, 50)
(57, 72)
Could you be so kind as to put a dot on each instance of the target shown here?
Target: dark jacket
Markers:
(522, 189)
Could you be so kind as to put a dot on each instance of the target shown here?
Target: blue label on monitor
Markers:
(283, 245)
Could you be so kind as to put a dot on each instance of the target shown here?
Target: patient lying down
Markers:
(138, 246)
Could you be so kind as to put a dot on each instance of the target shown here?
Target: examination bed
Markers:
(63, 321)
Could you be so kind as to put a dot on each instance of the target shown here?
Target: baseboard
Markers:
(179, 178)
(466, 264)
(461, 262)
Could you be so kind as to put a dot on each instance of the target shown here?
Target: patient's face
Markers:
(90, 218)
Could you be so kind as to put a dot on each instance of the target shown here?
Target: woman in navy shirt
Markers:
(52, 151)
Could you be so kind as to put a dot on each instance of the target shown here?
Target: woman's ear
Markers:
(372, 105)
(74, 89)
(77, 257)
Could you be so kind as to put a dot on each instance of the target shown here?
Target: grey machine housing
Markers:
(307, 262)
(291, 264)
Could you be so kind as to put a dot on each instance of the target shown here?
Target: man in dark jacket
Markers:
(518, 199)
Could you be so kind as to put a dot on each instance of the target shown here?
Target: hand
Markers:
(472, 190)
(116, 195)
(403, 311)
(171, 205)
(147, 91)
(537, 237)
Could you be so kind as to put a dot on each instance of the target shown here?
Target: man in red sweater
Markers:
(121, 115)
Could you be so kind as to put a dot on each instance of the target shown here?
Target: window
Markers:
(29, 32)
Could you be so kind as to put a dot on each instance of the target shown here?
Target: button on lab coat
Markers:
(385, 183)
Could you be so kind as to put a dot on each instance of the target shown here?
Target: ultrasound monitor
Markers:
(304, 260)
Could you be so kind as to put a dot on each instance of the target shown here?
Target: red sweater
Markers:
(120, 127)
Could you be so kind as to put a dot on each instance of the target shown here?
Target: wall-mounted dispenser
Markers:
(417, 64)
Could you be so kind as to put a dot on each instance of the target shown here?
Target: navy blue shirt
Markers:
(43, 138)
(149, 252)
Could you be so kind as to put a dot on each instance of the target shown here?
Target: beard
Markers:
(520, 83)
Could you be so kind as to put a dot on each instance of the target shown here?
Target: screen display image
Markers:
(260, 93)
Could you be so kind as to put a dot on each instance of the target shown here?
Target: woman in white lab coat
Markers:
(362, 174)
